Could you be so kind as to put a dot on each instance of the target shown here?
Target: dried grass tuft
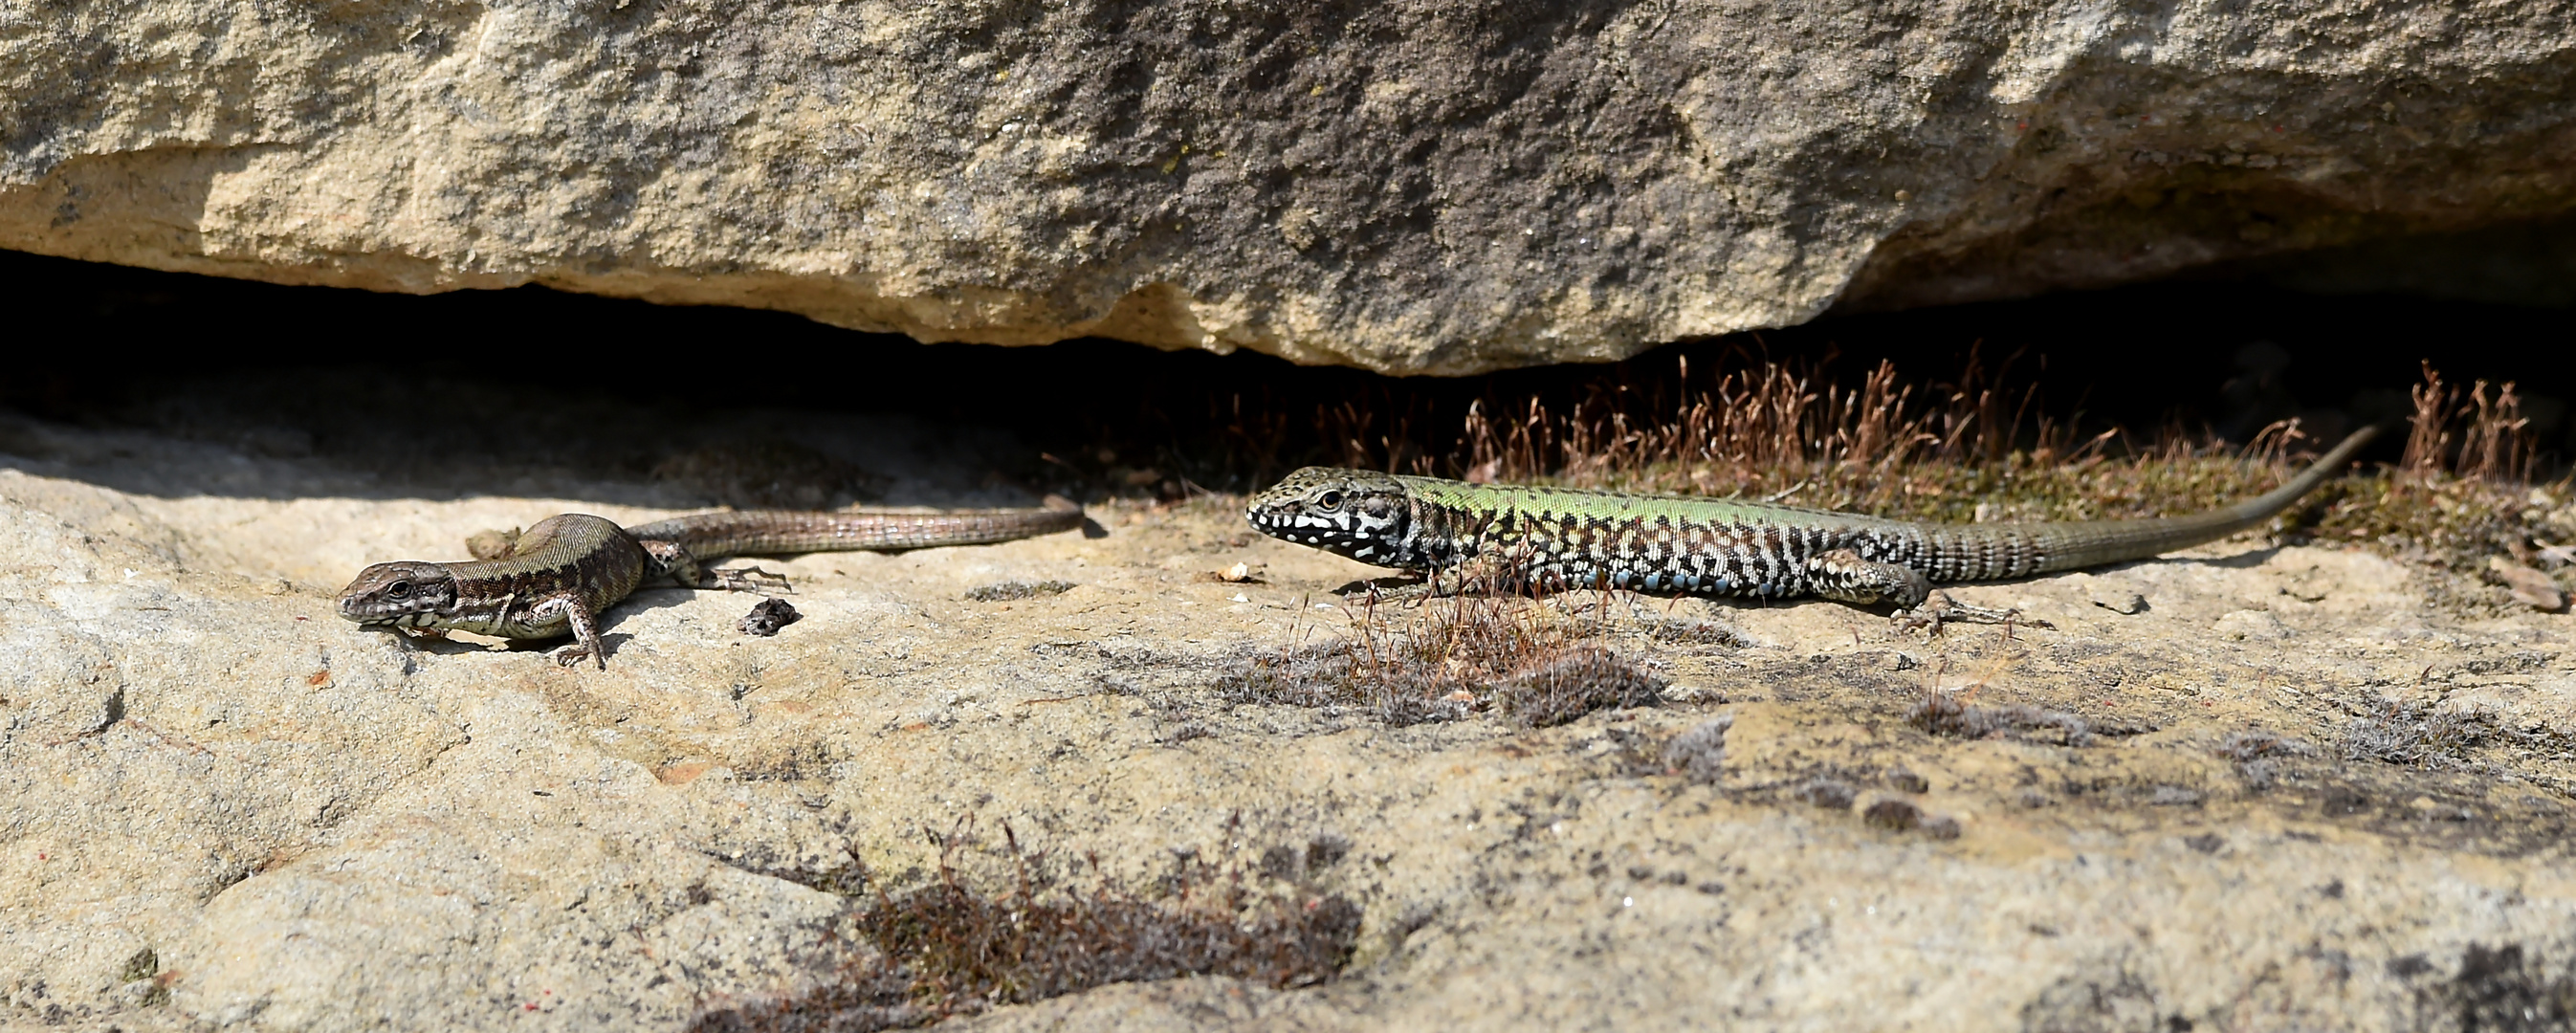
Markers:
(1448, 659)
(951, 948)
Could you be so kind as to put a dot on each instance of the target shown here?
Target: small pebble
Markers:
(768, 616)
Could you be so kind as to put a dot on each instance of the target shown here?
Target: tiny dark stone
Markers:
(1640, 872)
(2332, 890)
(2206, 842)
(143, 965)
(1711, 888)
(1906, 780)
(767, 616)
(1941, 826)
(1893, 814)
(2408, 966)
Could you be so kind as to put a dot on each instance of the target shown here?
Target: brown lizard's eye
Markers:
(1329, 500)
(399, 590)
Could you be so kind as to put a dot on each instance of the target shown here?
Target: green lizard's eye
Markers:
(1329, 500)
(399, 590)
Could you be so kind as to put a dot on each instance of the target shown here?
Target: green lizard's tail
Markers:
(2077, 544)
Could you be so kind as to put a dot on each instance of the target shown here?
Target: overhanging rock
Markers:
(1413, 187)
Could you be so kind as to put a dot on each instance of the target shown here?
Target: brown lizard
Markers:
(559, 576)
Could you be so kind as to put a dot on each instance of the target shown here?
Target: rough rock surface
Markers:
(226, 809)
(1409, 186)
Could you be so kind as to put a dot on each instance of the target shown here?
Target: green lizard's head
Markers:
(408, 594)
(1354, 513)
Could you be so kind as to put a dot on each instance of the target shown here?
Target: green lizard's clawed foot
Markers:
(1475, 577)
(1938, 609)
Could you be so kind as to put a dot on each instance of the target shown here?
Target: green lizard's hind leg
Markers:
(1842, 574)
(1940, 609)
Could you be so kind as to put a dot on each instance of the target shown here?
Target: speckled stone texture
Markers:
(1409, 186)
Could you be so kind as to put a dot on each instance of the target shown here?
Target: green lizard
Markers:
(1559, 538)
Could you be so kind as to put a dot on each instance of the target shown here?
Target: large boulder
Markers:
(1411, 186)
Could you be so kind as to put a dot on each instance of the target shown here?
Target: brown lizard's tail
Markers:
(776, 532)
(2017, 549)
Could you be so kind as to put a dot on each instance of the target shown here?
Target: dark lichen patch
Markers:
(2107, 994)
(789, 760)
(1556, 689)
(953, 947)
(1449, 660)
(2495, 988)
(1699, 754)
(1893, 814)
(2449, 809)
(1946, 714)
(2259, 756)
(1011, 591)
(1678, 631)
(1899, 815)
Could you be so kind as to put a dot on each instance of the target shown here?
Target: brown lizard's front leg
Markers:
(585, 633)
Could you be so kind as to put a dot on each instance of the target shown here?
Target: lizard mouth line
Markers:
(392, 620)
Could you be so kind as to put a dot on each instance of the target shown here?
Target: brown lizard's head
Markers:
(1356, 513)
(408, 594)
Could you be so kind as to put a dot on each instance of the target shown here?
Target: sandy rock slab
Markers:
(2253, 786)
(1414, 186)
